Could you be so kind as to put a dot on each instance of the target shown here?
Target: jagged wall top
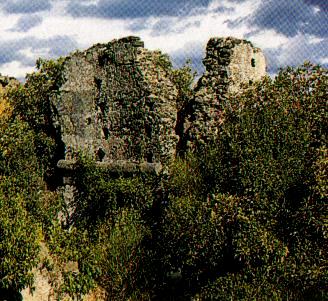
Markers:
(235, 60)
(119, 102)
(229, 62)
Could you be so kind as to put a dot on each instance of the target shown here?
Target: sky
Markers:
(288, 31)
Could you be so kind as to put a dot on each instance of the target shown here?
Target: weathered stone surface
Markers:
(229, 62)
(117, 103)
(117, 167)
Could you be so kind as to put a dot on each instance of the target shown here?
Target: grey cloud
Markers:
(237, 22)
(289, 17)
(11, 50)
(60, 45)
(166, 26)
(296, 19)
(292, 17)
(135, 9)
(162, 26)
(26, 6)
(295, 53)
(224, 9)
(138, 26)
(26, 22)
(195, 51)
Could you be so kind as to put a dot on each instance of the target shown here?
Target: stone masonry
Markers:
(229, 62)
(117, 103)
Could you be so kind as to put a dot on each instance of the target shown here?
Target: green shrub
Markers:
(19, 239)
(122, 255)
(24, 204)
(264, 182)
(32, 102)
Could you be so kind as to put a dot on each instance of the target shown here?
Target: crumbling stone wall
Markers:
(229, 62)
(117, 103)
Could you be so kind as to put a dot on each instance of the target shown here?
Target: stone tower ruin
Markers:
(118, 101)
(229, 63)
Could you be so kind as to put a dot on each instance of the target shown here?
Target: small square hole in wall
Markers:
(106, 133)
(100, 155)
(253, 62)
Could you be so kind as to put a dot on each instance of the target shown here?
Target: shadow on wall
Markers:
(10, 295)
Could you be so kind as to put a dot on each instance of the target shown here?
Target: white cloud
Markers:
(87, 31)
(210, 24)
(316, 9)
(314, 40)
(299, 49)
(35, 53)
(268, 38)
(324, 60)
(174, 35)
(16, 69)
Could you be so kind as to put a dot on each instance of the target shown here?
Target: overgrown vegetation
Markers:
(242, 219)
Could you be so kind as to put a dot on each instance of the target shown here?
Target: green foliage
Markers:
(242, 219)
(17, 146)
(163, 60)
(32, 103)
(19, 184)
(247, 217)
(101, 194)
(74, 257)
(184, 78)
(122, 255)
(19, 245)
(25, 205)
(103, 235)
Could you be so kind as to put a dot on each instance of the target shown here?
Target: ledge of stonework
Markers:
(122, 166)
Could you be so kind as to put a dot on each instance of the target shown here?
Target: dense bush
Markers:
(19, 185)
(19, 243)
(31, 102)
(26, 207)
(242, 219)
(246, 217)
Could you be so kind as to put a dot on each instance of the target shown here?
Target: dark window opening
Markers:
(100, 154)
(98, 82)
(149, 157)
(253, 62)
(106, 133)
